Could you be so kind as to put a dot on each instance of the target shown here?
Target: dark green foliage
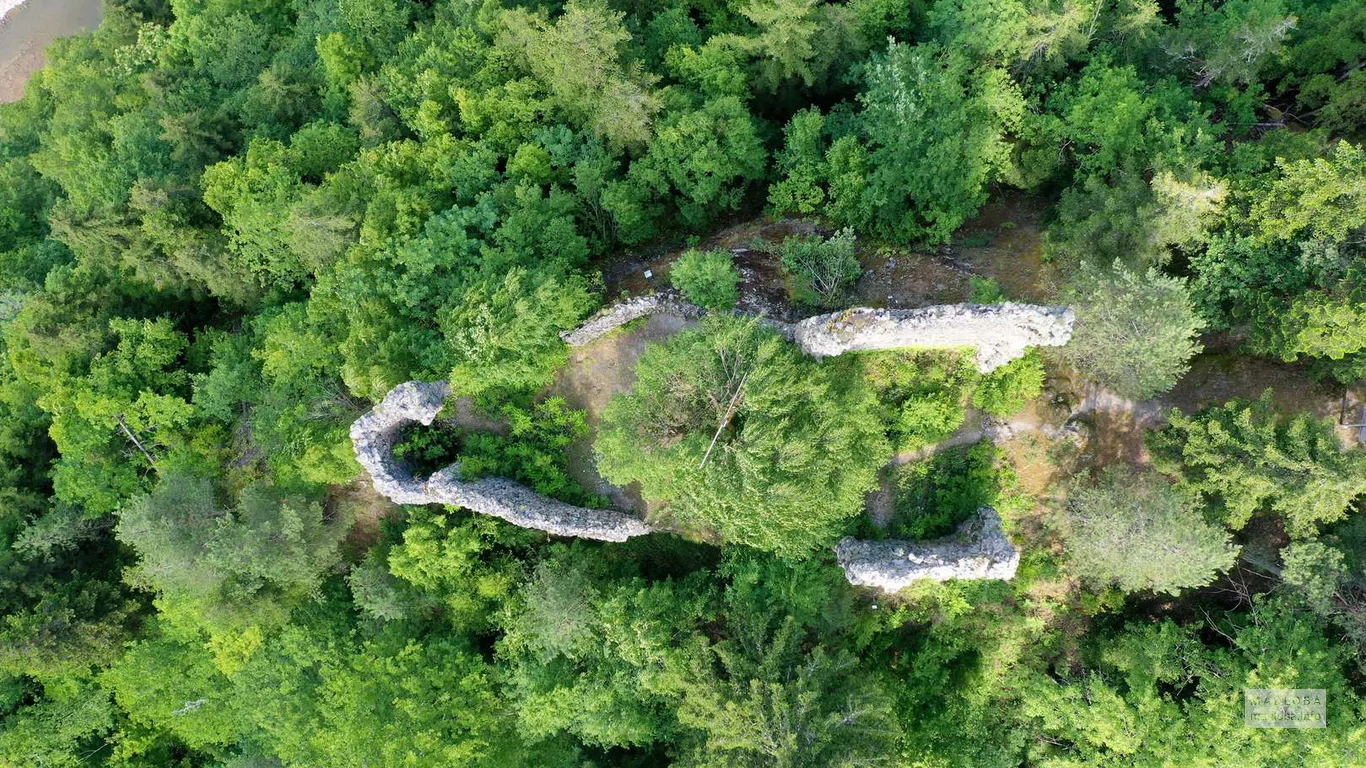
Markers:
(426, 448)
(934, 495)
(707, 278)
(227, 227)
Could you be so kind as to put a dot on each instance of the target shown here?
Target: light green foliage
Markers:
(1004, 391)
(112, 425)
(822, 270)
(174, 683)
(58, 732)
(228, 227)
(455, 561)
(505, 334)
(228, 568)
(1126, 704)
(701, 160)
(1134, 333)
(1135, 530)
(577, 58)
(796, 444)
(936, 129)
(986, 290)
(1245, 457)
(594, 656)
(1322, 198)
(707, 278)
(1231, 43)
(924, 393)
(1315, 572)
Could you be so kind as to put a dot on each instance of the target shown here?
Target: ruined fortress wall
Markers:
(979, 549)
(374, 435)
(1000, 332)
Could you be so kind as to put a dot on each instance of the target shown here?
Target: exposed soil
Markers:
(26, 31)
(1005, 242)
(366, 508)
(594, 373)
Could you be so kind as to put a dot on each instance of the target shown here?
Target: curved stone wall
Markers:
(374, 434)
(979, 549)
(1000, 332)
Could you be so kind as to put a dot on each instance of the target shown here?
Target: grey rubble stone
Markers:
(979, 549)
(1000, 332)
(374, 434)
(617, 315)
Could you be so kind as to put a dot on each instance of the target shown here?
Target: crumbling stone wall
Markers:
(1000, 332)
(617, 315)
(375, 433)
(979, 549)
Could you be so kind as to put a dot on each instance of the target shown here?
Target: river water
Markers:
(26, 30)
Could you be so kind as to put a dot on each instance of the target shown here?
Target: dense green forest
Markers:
(227, 227)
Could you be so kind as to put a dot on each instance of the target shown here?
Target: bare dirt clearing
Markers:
(26, 32)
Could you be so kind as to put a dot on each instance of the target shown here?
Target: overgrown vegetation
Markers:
(227, 227)
(707, 278)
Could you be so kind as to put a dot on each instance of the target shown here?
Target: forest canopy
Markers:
(229, 227)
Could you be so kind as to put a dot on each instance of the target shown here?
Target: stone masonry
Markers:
(617, 315)
(1000, 332)
(979, 549)
(374, 435)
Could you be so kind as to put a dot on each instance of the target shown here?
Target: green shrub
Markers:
(986, 290)
(935, 495)
(924, 393)
(822, 270)
(1005, 391)
(708, 278)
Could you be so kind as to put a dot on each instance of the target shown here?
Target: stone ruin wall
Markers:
(1000, 332)
(979, 550)
(375, 433)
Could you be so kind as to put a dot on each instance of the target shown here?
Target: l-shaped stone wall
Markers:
(978, 550)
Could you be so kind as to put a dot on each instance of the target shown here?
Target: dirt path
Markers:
(26, 31)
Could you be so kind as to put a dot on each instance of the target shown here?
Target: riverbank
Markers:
(26, 30)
